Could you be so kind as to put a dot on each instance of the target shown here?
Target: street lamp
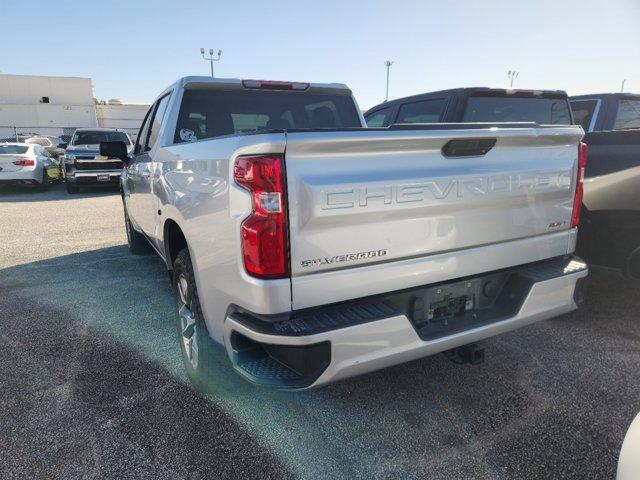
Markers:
(512, 74)
(211, 58)
(387, 64)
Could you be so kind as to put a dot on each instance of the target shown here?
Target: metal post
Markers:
(512, 74)
(622, 87)
(388, 64)
(211, 58)
(15, 132)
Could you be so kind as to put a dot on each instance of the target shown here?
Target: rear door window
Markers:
(583, 111)
(628, 114)
(494, 108)
(426, 111)
(379, 118)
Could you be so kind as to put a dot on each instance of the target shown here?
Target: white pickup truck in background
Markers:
(315, 249)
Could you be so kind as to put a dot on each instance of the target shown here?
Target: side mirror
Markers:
(62, 145)
(114, 150)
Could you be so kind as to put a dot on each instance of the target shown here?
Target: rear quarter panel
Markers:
(194, 186)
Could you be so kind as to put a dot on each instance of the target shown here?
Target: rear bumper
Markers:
(25, 176)
(91, 178)
(389, 336)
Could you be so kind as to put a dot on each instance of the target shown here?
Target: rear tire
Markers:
(196, 346)
(72, 188)
(138, 244)
(44, 184)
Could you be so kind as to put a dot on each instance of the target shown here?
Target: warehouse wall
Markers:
(128, 117)
(71, 105)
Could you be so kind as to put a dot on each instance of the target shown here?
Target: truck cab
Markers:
(475, 104)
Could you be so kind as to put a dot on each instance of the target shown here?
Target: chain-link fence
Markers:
(11, 133)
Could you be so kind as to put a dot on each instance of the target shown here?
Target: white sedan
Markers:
(23, 164)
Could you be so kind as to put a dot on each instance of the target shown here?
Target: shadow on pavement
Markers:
(92, 384)
(13, 194)
(79, 402)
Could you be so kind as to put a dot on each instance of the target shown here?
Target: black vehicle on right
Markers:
(610, 224)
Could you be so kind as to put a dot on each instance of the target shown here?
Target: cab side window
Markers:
(583, 112)
(379, 118)
(141, 141)
(426, 111)
(156, 123)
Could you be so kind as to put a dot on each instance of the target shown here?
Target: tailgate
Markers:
(366, 197)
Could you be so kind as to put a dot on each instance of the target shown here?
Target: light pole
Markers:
(622, 86)
(512, 74)
(211, 58)
(387, 64)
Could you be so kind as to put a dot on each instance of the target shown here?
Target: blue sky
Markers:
(134, 49)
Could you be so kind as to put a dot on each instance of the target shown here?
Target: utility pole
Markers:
(512, 74)
(211, 58)
(622, 86)
(387, 64)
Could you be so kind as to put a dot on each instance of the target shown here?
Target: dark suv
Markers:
(475, 104)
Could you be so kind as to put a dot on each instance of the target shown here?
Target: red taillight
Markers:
(265, 246)
(27, 162)
(583, 150)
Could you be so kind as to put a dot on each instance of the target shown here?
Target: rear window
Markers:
(214, 113)
(89, 137)
(12, 149)
(545, 111)
(628, 114)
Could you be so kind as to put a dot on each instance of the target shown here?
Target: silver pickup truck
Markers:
(314, 249)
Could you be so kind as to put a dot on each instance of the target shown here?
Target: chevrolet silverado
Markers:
(314, 249)
(84, 166)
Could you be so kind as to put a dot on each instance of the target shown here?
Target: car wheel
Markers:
(197, 347)
(138, 244)
(44, 183)
(72, 188)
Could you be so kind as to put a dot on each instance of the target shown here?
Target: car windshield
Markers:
(542, 110)
(94, 137)
(12, 149)
(213, 113)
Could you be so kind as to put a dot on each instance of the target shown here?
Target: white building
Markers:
(127, 116)
(58, 105)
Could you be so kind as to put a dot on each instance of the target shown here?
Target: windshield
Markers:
(545, 111)
(213, 113)
(12, 149)
(94, 137)
(628, 114)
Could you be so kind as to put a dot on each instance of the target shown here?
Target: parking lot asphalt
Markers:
(91, 384)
